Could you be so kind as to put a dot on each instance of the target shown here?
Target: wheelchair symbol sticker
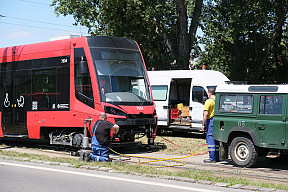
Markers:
(6, 101)
(20, 101)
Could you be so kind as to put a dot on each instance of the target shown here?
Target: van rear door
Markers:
(160, 91)
(198, 98)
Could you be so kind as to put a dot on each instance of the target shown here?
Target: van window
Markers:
(236, 103)
(159, 93)
(198, 93)
(271, 105)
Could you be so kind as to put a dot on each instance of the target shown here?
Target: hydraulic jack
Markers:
(85, 151)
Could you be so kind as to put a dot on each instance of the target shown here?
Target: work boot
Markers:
(208, 161)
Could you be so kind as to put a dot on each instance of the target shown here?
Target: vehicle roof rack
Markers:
(236, 82)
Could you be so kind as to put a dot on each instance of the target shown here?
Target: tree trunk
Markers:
(183, 43)
(195, 22)
(240, 69)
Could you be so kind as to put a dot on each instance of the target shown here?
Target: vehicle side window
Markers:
(44, 89)
(198, 94)
(83, 85)
(271, 105)
(159, 93)
(50, 83)
(236, 103)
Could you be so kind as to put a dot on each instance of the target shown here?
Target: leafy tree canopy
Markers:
(154, 24)
(247, 39)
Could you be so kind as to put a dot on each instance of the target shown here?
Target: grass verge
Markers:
(179, 145)
(149, 171)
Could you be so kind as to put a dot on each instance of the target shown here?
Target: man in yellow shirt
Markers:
(208, 116)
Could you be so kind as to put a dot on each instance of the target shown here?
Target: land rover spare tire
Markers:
(243, 152)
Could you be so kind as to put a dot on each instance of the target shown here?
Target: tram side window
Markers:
(271, 105)
(44, 89)
(41, 84)
(83, 85)
(50, 84)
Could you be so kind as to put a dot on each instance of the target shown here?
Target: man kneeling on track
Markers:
(101, 138)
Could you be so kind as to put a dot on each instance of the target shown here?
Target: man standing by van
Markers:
(208, 116)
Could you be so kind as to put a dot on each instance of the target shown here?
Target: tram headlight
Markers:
(113, 111)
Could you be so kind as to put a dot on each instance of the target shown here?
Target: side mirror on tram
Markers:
(83, 67)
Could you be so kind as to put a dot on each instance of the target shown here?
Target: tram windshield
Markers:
(121, 76)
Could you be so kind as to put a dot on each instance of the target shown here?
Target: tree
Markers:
(247, 40)
(165, 30)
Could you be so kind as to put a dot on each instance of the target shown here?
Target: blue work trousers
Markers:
(100, 152)
(213, 146)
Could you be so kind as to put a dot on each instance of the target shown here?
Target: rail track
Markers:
(269, 175)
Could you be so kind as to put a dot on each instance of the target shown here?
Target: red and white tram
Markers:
(48, 89)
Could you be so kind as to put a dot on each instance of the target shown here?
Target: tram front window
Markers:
(121, 76)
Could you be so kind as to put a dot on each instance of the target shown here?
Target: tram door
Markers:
(15, 91)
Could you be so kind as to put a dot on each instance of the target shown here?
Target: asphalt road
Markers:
(27, 176)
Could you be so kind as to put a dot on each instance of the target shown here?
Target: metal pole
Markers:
(85, 143)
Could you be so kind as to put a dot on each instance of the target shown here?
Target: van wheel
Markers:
(243, 152)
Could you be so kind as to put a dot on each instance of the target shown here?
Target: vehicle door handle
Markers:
(165, 107)
(262, 127)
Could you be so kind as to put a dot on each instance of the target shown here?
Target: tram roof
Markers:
(62, 47)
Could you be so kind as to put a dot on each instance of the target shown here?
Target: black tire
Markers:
(223, 151)
(243, 152)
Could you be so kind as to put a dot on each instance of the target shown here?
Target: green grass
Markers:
(179, 145)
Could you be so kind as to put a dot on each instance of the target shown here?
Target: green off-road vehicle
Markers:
(251, 121)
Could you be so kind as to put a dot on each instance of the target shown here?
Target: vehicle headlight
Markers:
(114, 111)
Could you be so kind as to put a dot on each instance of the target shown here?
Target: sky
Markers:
(33, 21)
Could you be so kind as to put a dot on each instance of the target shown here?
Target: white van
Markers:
(179, 96)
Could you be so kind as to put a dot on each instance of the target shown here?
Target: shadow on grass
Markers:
(195, 135)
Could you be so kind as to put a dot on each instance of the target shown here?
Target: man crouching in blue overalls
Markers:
(101, 138)
(208, 116)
